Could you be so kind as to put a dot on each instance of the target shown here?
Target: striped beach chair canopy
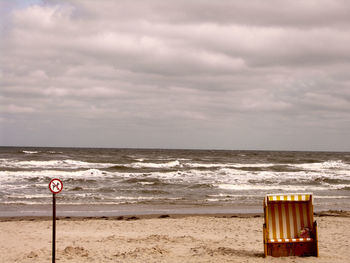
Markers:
(286, 215)
(289, 197)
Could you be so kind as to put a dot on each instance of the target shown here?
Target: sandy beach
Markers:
(191, 238)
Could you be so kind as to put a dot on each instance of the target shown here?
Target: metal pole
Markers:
(53, 228)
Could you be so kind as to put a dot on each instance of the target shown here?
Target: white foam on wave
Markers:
(30, 152)
(336, 164)
(146, 183)
(223, 175)
(228, 165)
(66, 164)
(223, 199)
(144, 198)
(29, 196)
(245, 187)
(225, 179)
(232, 166)
(233, 195)
(154, 165)
(204, 165)
(26, 202)
(14, 176)
(235, 176)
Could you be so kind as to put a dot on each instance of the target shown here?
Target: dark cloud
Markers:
(183, 74)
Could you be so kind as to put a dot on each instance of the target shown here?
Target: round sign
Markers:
(55, 186)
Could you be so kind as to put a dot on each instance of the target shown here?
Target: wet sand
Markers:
(160, 238)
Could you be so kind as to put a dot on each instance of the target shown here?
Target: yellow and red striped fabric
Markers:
(289, 197)
(287, 215)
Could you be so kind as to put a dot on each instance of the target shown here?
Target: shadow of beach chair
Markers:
(289, 228)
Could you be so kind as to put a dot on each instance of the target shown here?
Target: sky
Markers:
(240, 75)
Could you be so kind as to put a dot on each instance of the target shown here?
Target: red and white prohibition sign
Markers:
(55, 186)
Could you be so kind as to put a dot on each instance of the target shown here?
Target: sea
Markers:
(112, 182)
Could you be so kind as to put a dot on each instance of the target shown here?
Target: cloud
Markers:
(190, 68)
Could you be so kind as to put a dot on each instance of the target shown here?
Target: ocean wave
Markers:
(122, 168)
(153, 191)
(65, 202)
(230, 198)
(14, 176)
(29, 196)
(228, 165)
(327, 165)
(347, 188)
(332, 197)
(180, 164)
(331, 180)
(143, 181)
(146, 183)
(245, 187)
(201, 185)
(338, 164)
(234, 195)
(171, 164)
(136, 198)
(204, 165)
(212, 178)
(52, 164)
(242, 198)
(80, 203)
(77, 188)
(30, 152)
(191, 177)
(102, 185)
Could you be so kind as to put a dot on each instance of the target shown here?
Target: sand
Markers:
(168, 239)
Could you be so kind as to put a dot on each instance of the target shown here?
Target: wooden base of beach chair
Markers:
(301, 249)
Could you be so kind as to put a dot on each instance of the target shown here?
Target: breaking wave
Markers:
(179, 177)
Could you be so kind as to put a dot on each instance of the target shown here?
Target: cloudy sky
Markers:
(224, 74)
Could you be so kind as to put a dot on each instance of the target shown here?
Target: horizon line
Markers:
(178, 149)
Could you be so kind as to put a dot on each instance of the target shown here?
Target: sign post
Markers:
(55, 187)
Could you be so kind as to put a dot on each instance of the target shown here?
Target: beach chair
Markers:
(289, 228)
